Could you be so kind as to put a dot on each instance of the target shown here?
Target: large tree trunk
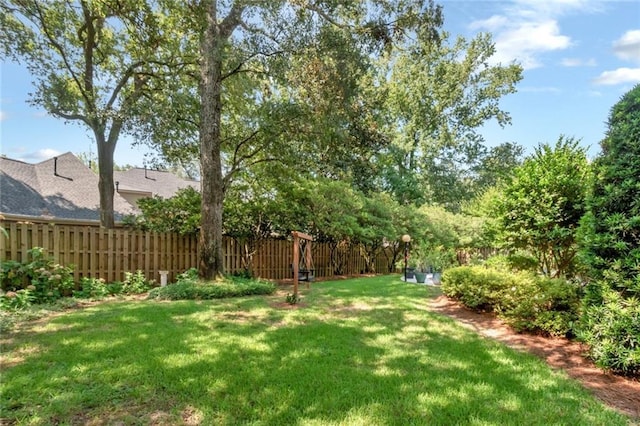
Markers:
(210, 242)
(105, 180)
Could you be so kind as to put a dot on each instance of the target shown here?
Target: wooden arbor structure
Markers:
(302, 265)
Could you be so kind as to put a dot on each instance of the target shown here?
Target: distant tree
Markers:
(91, 161)
(497, 165)
(541, 207)
(92, 62)
(439, 95)
(376, 227)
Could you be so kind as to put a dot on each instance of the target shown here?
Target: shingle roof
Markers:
(164, 184)
(61, 187)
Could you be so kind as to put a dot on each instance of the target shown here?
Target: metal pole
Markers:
(406, 253)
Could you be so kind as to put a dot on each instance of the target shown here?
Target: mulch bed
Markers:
(621, 393)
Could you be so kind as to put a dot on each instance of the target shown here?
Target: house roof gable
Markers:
(61, 187)
(156, 182)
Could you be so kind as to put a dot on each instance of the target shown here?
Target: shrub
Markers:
(611, 243)
(46, 280)
(189, 274)
(540, 208)
(190, 289)
(16, 300)
(135, 283)
(540, 304)
(476, 287)
(526, 301)
(92, 288)
(612, 331)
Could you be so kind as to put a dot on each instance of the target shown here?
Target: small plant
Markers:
(92, 288)
(189, 274)
(16, 300)
(292, 299)
(135, 283)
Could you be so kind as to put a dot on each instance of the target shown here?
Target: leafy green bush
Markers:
(180, 213)
(135, 283)
(96, 288)
(540, 304)
(540, 208)
(16, 300)
(189, 274)
(476, 287)
(92, 288)
(612, 331)
(46, 280)
(526, 301)
(190, 289)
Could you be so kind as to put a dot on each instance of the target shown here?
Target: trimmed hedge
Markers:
(525, 301)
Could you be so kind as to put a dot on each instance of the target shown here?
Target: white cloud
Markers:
(618, 76)
(494, 23)
(40, 155)
(526, 41)
(527, 29)
(627, 47)
(3, 115)
(577, 62)
(537, 8)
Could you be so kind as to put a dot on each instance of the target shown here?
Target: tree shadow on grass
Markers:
(237, 362)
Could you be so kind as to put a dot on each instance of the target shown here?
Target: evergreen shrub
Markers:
(524, 300)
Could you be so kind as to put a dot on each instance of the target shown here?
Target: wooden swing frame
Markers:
(307, 274)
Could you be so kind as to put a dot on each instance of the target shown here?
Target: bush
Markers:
(46, 280)
(135, 283)
(525, 301)
(540, 304)
(16, 300)
(476, 287)
(92, 288)
(612, 331)
(190, 289)
(611, 243)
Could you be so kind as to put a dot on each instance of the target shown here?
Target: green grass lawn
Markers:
(356, 352)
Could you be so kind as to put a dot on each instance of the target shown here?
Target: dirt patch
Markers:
(621, 393)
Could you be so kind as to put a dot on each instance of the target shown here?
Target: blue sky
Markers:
(579, 57)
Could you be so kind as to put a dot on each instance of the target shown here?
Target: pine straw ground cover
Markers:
(359, 351)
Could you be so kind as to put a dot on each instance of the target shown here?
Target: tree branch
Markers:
(66, 116)
(232, 20)
(42, 22)
(238, 69)
(122, 82)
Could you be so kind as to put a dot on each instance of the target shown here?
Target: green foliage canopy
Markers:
(92, 62)
(541, 208)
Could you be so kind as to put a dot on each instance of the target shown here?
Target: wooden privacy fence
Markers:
(101, 253)
(109, 253)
